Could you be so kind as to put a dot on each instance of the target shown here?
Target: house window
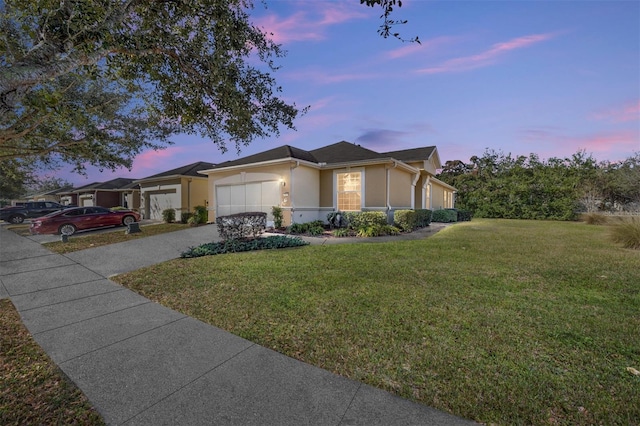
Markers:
(349, 191)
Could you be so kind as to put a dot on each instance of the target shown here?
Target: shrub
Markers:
(377, 231)
(316, 230)
(235, 246)
(423, 217)
(241, 225)
(277, 217)
(185, 216)
(298, 228)
(406, 220)
(357, 220)
(169, 215)
(464, 215)
(594, 218)
(342, 232)
(445, 216)
(200, 212)
(627, 233)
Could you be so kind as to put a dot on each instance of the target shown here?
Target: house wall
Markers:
(132, 200)
(400, 188)
(326, 189)
(304, 195)
(107, 199)
(442, 197)
(194, 193)
(375, 187)
(155, 189)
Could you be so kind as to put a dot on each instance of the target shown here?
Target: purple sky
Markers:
(544, 77)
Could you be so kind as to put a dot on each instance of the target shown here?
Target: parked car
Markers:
(69, 221)
(18, 213)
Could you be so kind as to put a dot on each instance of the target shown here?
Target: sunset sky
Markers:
(544, 77)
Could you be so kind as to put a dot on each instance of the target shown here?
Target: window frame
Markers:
(336, 174)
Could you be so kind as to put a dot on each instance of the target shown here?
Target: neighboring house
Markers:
(181, 189)
(53, 195)
(308, 185)
(119, 192)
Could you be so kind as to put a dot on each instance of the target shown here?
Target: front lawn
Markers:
(33, 390)
(83, 241)
(507, 322)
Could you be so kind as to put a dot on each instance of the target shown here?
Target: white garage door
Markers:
(86, 201)
(159, 201)
(250, 197)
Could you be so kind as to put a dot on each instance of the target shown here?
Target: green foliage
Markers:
(241, 245)
(342, 232)
(315, 228)
(444, 215)
(423, 217)
(358, 220)
(169, 215)
(627, 232)
(499, 186)
(377, 230)
(185, 217)
(594, 218)
(96, 82)
(200, 212)
(406, 220)
(464, 215)
(277, 216)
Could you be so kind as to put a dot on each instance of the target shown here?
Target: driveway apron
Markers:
(140, 363)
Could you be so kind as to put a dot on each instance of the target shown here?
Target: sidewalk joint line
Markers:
(190, 382)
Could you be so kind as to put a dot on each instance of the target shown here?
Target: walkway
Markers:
(140, 363)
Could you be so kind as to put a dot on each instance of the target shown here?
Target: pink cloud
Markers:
(487, 57)
(309, 24)
(606, 144)
(627, 112)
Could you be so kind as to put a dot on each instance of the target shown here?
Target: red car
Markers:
(67, 222)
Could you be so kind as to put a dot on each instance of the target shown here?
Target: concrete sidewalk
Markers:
(140, 363)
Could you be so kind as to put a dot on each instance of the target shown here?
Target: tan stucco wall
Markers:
(375, 186)
(199, 193)
(326, 188)
(400, 188)
(438, 199)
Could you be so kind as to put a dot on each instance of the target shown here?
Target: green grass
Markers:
(507, 322)
(33, 391)
(85, 241)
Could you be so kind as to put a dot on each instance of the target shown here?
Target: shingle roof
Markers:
(188, 170)
(342, 152)
(414, 154)
(278, 153)
(114, 184)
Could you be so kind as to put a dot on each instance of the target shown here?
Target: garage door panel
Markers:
(250, 197)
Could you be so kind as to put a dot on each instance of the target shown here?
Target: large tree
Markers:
(98, 81)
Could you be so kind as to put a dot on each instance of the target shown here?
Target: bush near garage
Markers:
(169, 215)
(185, 217)
(241, 225)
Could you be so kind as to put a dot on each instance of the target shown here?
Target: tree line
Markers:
(496, 185)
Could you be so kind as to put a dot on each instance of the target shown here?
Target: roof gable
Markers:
(343, 152)
(279, 153)
(414, 154)
(188, 170)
